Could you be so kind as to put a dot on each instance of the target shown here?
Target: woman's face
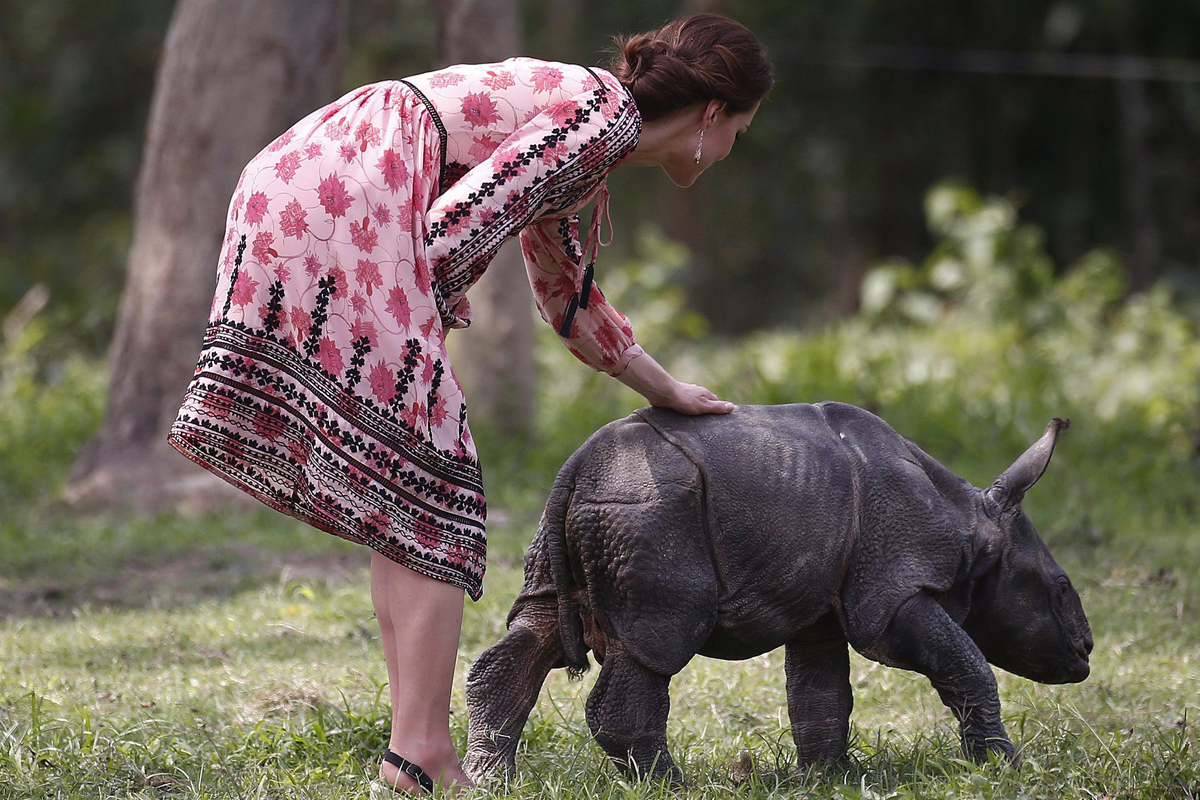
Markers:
(721, 130)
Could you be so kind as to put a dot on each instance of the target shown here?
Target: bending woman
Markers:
(323, 387)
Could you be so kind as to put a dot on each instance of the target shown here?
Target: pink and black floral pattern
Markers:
(323, 387)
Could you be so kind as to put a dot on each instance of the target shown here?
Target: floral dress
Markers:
(323, 386)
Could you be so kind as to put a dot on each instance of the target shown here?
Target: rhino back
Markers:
(780, 511)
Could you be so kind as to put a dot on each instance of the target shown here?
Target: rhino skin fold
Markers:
(812, 527)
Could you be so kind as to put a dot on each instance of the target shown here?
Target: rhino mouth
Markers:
(1067, 663)
(1074, 666)
(1075, 673)
(1071, 670)
(1080, 668)
(1083, 647)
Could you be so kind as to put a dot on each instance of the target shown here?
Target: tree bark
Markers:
(233, 76)
(1134, 114)
(494, 357)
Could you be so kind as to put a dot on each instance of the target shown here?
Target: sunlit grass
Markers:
(236, 655)
(279, 691)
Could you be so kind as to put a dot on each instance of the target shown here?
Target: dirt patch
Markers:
(281, 700)
(212, 573)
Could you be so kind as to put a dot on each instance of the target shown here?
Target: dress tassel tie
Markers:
(569, 316)
(584, 292)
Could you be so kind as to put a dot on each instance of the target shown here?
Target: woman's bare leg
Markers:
(420, 620)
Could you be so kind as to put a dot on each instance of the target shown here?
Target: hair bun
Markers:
(692, 60)
(639, 54)
(641, 63)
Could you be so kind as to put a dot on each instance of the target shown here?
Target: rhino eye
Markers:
(1064, 584)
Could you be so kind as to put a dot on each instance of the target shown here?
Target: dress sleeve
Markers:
(600, 335)
(545, 165)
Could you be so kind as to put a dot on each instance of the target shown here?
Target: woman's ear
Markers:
(711, 111)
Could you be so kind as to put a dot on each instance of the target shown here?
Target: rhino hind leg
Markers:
(503, 686)
(627, 714)
(820, 699)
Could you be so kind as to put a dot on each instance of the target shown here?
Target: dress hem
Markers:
(474, 589)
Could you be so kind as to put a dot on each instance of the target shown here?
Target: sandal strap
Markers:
(410, 769)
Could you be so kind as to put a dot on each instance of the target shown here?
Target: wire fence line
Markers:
(994, 62)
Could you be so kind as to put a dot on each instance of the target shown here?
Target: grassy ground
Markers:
(236, 656)
(239, 673)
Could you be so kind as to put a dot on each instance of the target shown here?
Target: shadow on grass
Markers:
(52, 561)
(175, 579)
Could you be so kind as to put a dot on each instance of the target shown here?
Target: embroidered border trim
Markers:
(262, 417)
(441, 132)
(569, 187)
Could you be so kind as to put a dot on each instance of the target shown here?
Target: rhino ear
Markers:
(1010, 488)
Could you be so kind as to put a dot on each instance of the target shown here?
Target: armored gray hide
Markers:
(811, 527)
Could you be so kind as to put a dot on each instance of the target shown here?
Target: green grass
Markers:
(260, 683)
(236, 655)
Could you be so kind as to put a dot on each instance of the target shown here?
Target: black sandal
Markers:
(410, 769)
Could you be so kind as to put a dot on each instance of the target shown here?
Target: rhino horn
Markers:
(1010, 488)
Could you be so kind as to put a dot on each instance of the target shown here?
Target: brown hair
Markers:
(693, 60)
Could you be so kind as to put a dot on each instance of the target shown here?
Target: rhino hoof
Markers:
(488, 769)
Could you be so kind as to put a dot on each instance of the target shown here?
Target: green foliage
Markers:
(832, 171)
(48, 409)
(272, 686)
(75, 84)
(969, 353)
(1075, 341)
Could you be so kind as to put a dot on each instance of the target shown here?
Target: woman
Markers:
(323, 387)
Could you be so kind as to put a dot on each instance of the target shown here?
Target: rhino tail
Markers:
(570, 623)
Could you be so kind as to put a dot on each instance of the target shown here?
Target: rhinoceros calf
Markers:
(806, 526)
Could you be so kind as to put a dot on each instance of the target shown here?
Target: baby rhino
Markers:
(813, 527)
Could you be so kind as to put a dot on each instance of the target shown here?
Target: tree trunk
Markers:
(233, 76)
(494, 357)
(1145, 239)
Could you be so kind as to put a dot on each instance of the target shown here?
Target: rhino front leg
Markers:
(503, 686)
(627, 714)
(819, 699)
(923, 638)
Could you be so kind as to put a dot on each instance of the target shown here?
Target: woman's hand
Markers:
(692, 399)
(647, 377)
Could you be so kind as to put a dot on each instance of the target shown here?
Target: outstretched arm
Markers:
(647, 377)
(600, 335)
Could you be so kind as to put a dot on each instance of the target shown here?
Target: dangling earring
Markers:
(699, 145)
